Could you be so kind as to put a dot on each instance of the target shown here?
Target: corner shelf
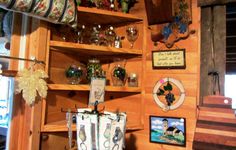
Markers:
(91, 49)
(90, 16)
(60, 126)
(99, 16)
(87, 88)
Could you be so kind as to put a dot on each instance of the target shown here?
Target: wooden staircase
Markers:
(216, 125)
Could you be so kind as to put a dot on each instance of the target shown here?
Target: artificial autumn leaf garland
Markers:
(31, 83)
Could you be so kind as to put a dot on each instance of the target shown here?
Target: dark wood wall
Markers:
(231, 38)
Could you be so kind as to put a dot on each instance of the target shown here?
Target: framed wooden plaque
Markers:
(169, 59)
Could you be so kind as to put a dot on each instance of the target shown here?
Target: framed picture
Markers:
(168, 130)
(169, 59)
(97, 90)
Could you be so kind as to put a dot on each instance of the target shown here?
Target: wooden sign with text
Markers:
(169, 59)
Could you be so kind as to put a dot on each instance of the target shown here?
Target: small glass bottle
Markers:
(118, 43)
(133, 80)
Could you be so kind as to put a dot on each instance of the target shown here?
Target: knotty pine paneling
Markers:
(143, 104)
(139, 140)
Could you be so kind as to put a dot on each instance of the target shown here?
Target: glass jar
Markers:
(133, 80)
(74, 74)
(119, 74)
(94, 69)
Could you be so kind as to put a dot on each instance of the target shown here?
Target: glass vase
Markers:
(119, 74)
(94, 69)
(74, 74)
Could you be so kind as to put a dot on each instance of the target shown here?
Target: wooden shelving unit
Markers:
(87, 88)
(99, 16)
(60, 126)
(90, 16)
(91, 49)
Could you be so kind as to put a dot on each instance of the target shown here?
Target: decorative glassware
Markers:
(110, 35)
(119, 74)
(133, 80)
(74, 74)
(132, 34)
(125, 6)
(112, 5)
(94, 69)
(102, 40)
(118, 43)
(81, 34)
(95, 35)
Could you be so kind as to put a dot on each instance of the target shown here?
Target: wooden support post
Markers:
(26, 120)
(219, 33)
(37, 47)
(220, 43)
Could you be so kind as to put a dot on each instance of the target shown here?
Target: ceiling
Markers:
(231, 38)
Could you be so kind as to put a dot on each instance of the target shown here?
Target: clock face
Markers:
(169, 93)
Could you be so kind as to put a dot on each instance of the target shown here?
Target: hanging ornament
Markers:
(31, 83)
(171, 102)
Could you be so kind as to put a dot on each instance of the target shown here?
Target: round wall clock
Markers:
(164, 88)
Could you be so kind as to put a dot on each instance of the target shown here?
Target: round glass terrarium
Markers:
(118, 74)
(74, 74)
(94, 69)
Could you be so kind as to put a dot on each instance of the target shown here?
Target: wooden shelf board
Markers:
(68, 87)
(99, 16)
(60, 126)
(87, 88)
(91, 49)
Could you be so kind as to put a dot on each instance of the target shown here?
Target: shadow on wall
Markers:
(131, 142)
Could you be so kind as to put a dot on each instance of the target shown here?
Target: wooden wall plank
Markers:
(190, 79)
(17, 113)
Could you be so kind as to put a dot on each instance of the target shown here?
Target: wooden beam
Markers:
(202, 3)
(231, 54)
(230, 19)
(205, 53)
(37, 47)
(16, 121)
(25, 124)
(220, 42)
(219, 30)
(231, 36)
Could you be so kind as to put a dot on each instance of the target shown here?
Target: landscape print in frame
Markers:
(168, 130)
